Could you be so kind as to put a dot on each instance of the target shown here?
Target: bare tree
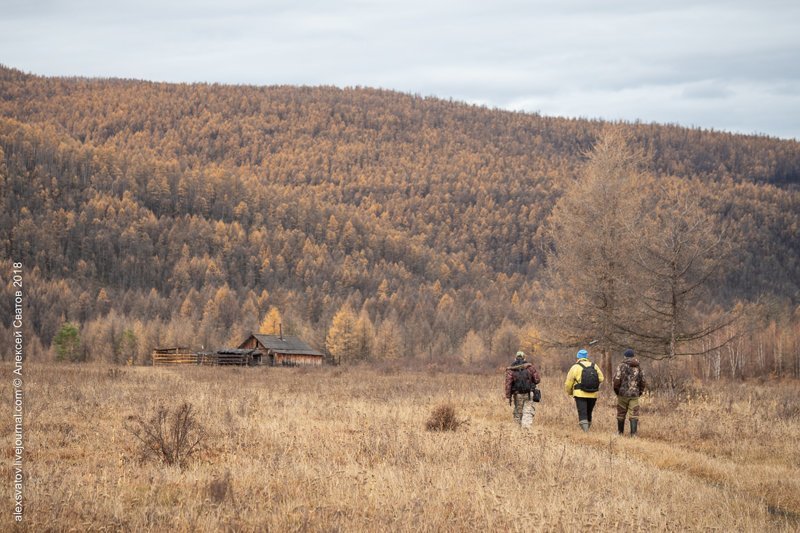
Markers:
(680, 249)
(505, 342)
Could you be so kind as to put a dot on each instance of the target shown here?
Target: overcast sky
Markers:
(730, 65)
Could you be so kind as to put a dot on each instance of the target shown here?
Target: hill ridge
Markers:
(420, 210)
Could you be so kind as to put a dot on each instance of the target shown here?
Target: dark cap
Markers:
(628, 353)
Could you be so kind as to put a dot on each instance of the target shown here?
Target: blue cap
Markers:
(583, 354)
(628, 353)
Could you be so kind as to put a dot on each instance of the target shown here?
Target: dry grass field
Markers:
(333, 449)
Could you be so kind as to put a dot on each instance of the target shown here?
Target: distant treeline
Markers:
(181, 213)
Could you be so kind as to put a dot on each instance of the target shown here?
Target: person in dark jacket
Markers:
(629, 384)
(521, 379)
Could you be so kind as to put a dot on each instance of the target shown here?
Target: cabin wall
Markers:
(250, 344)
(299, 360)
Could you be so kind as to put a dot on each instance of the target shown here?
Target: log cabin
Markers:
(281, 350)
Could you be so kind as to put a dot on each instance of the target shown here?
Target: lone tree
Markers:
(631, 261)
(589, 237)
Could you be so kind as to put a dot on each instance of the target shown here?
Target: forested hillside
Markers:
(166, 214)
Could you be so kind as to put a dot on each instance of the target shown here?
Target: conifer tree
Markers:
(341, 341)
(67, 342)
(271, 325)
(473, 349)
(587, 268)
(365, 336)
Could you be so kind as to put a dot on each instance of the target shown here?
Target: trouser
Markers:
(523, 409)
(627, 406)
(585, 407)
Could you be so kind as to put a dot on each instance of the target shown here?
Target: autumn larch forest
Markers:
(422, 230)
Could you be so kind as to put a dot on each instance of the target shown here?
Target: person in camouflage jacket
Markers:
(524, 373)
(629, 384)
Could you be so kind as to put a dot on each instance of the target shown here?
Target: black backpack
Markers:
(522, 380)
(590, 380)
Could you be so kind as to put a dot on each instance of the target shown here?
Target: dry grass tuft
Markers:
(443, 418)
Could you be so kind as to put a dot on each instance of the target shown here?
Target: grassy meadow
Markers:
(336, 449)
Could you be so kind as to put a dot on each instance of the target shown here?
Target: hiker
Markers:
(521, 380)
(583, 382)
(629, 384)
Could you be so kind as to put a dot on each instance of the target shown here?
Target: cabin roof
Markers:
(235, 351)
(286, 344)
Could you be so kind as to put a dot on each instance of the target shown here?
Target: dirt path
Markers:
(778, 487)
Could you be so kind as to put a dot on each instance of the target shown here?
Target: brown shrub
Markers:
(220, 488)
(443, 418)
(116, 373)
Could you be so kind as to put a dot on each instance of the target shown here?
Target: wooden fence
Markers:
(184, 356)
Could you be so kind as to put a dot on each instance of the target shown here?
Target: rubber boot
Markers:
(584, 425)
(621, 426)
(634, 427)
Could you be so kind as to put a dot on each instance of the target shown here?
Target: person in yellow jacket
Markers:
(583, 383)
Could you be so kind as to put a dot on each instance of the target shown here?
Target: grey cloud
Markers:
(707, 90)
